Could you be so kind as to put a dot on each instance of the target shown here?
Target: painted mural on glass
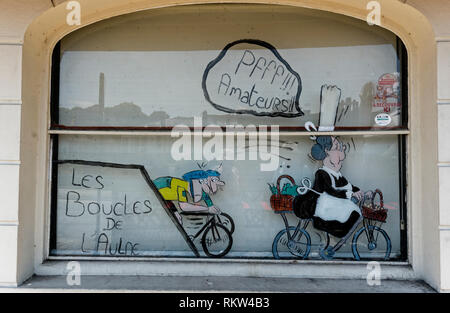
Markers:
(189, 199)
(321, 211)
(329, 201)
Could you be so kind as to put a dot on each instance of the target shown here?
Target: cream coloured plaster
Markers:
(16, 15)
(437, 12)
(11, 81)
(50, 26)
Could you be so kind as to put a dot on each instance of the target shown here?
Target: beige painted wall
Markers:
(15, 16)
(438, 13)
(24, 74)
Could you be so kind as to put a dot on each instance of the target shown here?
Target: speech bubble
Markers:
(250, 77)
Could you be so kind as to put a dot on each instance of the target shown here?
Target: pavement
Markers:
(175, 284)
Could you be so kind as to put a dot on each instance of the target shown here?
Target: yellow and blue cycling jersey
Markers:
(175, 189)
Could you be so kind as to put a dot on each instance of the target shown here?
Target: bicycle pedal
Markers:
(327, 254)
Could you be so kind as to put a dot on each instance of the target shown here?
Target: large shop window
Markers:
(230, 131)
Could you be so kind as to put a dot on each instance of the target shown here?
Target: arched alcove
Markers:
(49, 28)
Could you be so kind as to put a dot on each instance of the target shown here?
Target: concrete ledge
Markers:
(8, 285)
(229, 267)
(215, 284)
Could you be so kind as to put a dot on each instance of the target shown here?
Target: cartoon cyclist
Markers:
(190, 191)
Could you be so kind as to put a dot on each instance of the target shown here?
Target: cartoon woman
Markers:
(331, 202)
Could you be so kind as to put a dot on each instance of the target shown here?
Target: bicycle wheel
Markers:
(371, 242)
(300, 246)
(225, 220)
(216, 241)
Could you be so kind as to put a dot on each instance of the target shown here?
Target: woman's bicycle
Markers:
(369, 241)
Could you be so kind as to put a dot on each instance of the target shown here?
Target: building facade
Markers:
(318, 104)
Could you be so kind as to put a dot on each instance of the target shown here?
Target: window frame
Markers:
(55, 129)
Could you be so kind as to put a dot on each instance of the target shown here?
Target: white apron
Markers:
(330, 208)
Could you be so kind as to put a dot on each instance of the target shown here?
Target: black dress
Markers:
(305, 205)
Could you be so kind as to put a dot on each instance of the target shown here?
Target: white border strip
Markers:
(9, 223)
(11, 42)
(10, 102)
(221, 260)
(169, 133)
(10, 162)
(443, 39)
(443, 101)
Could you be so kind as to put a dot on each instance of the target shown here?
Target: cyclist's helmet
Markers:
(200, 174)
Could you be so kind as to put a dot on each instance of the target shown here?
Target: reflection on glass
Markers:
(125, 72)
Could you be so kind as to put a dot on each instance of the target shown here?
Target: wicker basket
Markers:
(282, 203)
(374, 211)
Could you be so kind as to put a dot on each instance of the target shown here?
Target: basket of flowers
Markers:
(372, 210)
(282, 200)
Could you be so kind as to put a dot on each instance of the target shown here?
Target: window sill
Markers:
(225, 267)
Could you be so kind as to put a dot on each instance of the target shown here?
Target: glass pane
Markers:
(239, 186)
(105, 210)
(164, 67)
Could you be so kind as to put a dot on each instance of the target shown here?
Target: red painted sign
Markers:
(387, 93)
